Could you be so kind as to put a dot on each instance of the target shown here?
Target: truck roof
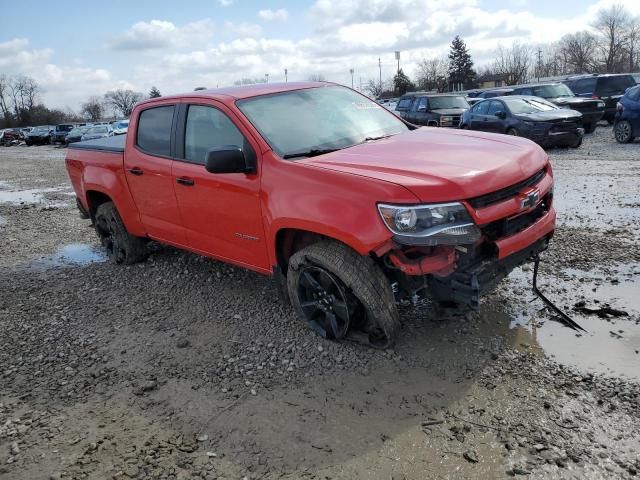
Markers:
(245, 91)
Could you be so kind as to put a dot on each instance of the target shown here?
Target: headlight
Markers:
(600, 104)
(441, 224)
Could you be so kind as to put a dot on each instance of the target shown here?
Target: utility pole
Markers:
(539, 62)
(398, 59)
(266, 76)
(285, 75)
(351, 72)
(380, 70)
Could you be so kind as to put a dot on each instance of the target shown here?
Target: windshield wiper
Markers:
(313, 152)
(370, 139)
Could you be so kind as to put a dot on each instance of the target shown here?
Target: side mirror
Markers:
(501, 114)
(422, 108)
(228, 159)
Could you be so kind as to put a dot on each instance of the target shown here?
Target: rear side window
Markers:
(422, 103)
(207, 129)
(481, 108)
(616, 85)
(404, 103)
(584, 85)
(154, 130)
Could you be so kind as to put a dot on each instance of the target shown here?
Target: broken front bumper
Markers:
(465, 285)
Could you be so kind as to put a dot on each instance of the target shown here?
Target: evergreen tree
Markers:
(154, 93)
(460, 65)
(402, 83)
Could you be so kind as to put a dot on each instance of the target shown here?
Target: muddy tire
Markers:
(321, 275)
(121, 247)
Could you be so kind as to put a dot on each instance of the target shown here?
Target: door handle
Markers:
(185, 181)
(135, 171)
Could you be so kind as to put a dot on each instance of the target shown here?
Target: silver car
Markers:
(99, 131)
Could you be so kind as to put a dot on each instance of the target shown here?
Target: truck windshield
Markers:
(318, 120)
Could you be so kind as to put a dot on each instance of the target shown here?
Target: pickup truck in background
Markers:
(348, 206)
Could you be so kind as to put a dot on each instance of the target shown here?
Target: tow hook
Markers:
(564, 318)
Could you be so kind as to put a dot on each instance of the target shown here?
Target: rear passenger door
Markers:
(147, 169)
(221, 212)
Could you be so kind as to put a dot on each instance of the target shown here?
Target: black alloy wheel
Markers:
(325, 302)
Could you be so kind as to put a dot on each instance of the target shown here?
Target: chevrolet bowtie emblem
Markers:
(530, 200)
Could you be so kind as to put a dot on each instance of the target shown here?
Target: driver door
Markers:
(221, 213)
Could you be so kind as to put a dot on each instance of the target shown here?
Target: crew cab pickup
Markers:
(348, 206)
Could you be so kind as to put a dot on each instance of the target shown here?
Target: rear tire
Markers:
(623, 132)
(121, 246)
(330, 271)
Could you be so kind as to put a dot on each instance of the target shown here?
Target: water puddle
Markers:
(10, 195)
(72, 255)
(611, 345)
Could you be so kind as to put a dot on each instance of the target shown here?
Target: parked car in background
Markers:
(474, 100)
(592, 109)
(40, 135)
(523, 116)
(433, 110)
(495, 92)
(120, 127)
(60, 133)
(75, 135)
(626, 125)
(98, 131)
(9, 136)
(608, 87)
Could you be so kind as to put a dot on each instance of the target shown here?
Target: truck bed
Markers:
(109, 144)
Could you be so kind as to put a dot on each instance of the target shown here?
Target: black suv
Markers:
(592, 109)
(61, 132)
(607, 87)
(432, 109)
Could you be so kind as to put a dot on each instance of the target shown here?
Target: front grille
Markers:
(500, 195)
(450, 120)
(566, 126)
(506, 227)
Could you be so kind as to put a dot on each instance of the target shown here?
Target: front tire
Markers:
(623, 132)
(590, 127)
(337, 291)
(121, 246)
(513, 131)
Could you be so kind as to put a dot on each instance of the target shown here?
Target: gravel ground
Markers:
(183, 367)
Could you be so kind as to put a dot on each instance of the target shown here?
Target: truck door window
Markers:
(154, 130)
(208, 128)
(495, 107)
(481, 108)
(422, 103)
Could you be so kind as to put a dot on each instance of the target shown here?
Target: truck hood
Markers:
(440, 165)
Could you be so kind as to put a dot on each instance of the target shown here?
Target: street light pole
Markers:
(266, 76)
(285, 75)
(351, 72)
(380, 70)
(398, 59)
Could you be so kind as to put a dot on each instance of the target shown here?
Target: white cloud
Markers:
(279, 15)
(243, 29)
(158, 34)
(225, 3)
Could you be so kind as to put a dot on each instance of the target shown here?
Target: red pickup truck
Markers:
(348, 206)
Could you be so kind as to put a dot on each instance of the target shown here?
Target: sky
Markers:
(78, 49)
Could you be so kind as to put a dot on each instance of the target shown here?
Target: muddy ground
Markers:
(183, 367)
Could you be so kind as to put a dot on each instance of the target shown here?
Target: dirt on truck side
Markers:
(184, 367)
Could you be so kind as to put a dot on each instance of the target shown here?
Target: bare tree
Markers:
(514, 63)
(373, 88)
(633, 44)
(123, 101)
(432, 74)
(317, 77)
(612, 25)
(580, 50)
(93, 109)
(23, 92)
(5, 106)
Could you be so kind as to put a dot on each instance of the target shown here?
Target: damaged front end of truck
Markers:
(455, 252)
